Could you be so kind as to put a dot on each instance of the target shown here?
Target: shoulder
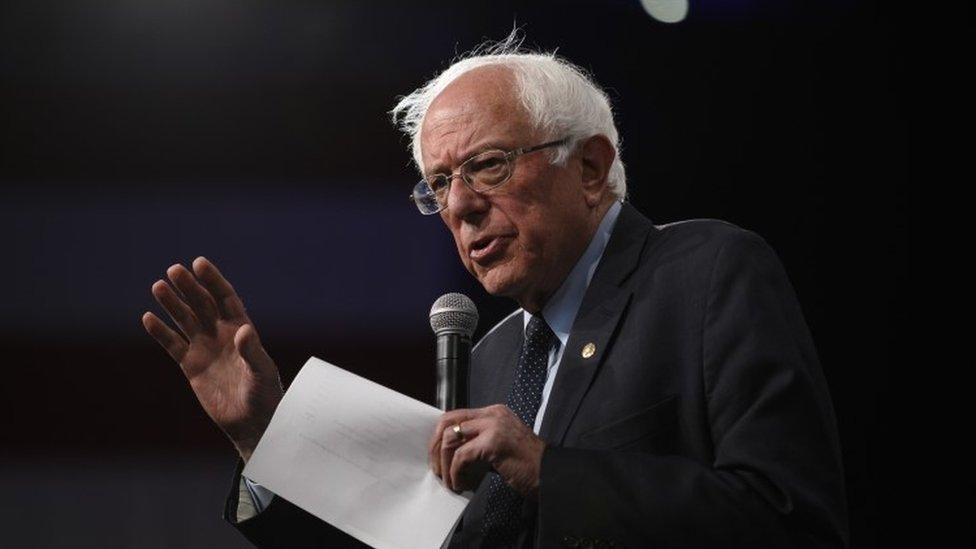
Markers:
(700, 242)
(686, 255)
(706, 234)
(711, 256)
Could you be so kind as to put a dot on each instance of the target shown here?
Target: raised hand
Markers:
(219, 351)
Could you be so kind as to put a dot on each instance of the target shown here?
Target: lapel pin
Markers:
(588, 350)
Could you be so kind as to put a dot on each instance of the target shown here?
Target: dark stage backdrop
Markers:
(135, 134)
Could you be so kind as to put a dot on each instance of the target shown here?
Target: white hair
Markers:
(560, 98)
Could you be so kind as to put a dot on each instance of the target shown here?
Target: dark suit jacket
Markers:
(702, 419)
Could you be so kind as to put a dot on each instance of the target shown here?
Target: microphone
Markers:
(453, 317)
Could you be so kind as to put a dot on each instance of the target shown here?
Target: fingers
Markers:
(174, 345)
(445, 443)
(179, 311)
(197, 297)
(449, 444)
(434, 443)
(446, 423)
(454, 436)
(466, 457)
(249, 346)
(229, 304)
(458, 452)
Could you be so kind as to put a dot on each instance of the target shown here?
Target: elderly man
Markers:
(657, 387)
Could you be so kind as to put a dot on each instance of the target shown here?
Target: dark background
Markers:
(135, 134)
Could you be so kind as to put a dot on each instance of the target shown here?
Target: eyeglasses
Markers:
(481, 173)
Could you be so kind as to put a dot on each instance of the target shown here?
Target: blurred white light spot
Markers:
(666, 11)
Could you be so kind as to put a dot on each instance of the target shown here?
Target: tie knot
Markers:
(538, 334)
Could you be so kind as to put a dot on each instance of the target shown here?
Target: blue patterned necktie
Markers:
(504, 510)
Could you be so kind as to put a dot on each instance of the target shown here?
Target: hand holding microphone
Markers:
(467, 443)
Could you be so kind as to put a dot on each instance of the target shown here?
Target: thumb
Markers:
(249, 346)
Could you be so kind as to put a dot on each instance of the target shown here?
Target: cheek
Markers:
(532, 230)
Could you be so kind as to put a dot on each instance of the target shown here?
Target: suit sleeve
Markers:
(282, 524)
(775, 478)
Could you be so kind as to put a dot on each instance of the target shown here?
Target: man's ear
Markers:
(596, 154)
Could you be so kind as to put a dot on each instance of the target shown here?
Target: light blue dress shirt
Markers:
(559, 313)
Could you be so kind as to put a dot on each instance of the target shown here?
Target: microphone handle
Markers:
(453, 359)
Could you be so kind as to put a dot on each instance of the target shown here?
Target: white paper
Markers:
(354, 454)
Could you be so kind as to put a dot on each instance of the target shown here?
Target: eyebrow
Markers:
(439, 169)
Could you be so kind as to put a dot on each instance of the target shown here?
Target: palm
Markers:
(232, 376)
(218, 375)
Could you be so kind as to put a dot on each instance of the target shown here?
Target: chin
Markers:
(500, 280)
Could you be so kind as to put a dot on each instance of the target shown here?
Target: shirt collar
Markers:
(560, 311)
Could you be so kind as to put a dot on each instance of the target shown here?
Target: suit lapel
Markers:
(592, 330)
(501, 385)
(496, 372)
(600, 312)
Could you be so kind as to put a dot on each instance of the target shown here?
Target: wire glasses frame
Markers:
(481, 173)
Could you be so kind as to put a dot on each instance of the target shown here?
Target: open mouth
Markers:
(489, 248)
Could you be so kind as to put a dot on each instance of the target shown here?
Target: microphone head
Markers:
(454, 314)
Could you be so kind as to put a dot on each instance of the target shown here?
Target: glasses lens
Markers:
(425, 199)
(486, 170)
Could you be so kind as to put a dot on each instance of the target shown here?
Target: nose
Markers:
(464, 203)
